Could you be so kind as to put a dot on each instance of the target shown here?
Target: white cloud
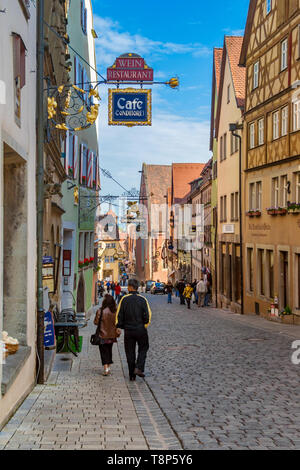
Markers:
(113, 41)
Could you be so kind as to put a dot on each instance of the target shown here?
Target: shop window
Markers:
(67, 259)
(270, 269)
(261, 272)
(250, 268)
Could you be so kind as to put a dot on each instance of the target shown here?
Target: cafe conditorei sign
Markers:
(129, 107)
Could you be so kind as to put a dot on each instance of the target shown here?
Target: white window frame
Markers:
(252, 135)
(255, 75)
(284, 54)
(258, 195)
(284, 120)
(297, 184)
(276, 125)
(283, 190)
(251, 196)
(275, 191)
(261, 131)
(296, 115)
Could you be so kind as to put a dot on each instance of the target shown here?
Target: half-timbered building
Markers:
(271, 56)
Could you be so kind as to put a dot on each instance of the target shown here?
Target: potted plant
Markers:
(287, 315)
(293, 208)
(80, 264)
(282, 210)
(272, 210)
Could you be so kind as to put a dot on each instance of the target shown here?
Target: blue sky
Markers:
(175, 38)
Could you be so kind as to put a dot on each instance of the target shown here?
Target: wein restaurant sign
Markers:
(129, 107)
(130, 68)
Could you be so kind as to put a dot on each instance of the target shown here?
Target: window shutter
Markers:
(67, 150)
(90, 169)
(81, 163)
(97, 173)
(76, 157)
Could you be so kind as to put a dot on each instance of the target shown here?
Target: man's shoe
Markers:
(139, 373)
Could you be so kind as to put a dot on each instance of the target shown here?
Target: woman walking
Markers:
(105, 319)
(188, 292)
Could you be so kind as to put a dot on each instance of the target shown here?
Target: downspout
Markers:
(241, 222)
(40, 188)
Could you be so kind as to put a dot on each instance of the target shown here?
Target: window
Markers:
(275, 192)
(284, 54)
(221, 149)
(255, 75)
(250, 268)
(258, 195)
(284, 120)
(297, 187)
(228, 94)
(296, 109)
(83, 164)
(87, 245)
(252, 197)
(236, 201)
(261, 272)
(95, 169)
(270, 268)
(83, 17)
(225, 147)
(299, 41)
(261, 132)
(268, 6)
(19, 74)
(225, 208)
(298, 281)
(81, 246)
(234, 144)
(232, 207)
(276, 125)
(283, 191)
(252, 135)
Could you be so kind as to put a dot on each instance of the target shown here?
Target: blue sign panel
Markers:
(130, 107)
(49, 333)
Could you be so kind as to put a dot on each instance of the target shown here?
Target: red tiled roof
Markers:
(158, 180)
(182, 175)
(234, 47)
(218, 51)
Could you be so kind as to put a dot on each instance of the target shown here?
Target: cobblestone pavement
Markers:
(224, 381)
(214, 381)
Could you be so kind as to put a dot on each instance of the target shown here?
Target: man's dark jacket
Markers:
(133, 313)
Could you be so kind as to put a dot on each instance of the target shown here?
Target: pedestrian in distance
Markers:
(180, 287)
(134, 317)
(169, 289)
(194, 285)
(105, 319)
(188, 292)
(118, 292)
(113, 286)
(201, 290)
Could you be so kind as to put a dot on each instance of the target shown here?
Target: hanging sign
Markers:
(129, 107)
(130, 68)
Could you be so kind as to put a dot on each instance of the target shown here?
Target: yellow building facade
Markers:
(271, 197)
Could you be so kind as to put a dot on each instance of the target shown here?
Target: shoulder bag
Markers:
(96, 339)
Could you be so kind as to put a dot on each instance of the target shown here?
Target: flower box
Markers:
(277, 211)
(253, 213)
(272, 211)
(293, 208)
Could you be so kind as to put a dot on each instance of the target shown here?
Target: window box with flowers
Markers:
(277, 210)
(253, 213)
(293, 208)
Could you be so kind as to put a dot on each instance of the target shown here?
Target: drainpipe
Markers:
(233, 128)
(40, 188)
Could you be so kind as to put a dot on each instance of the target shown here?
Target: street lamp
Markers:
(233, 128)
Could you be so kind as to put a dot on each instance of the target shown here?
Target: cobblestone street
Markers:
(213, 381)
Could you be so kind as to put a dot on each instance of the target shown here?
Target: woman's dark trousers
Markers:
(106, 353)
(131, 339)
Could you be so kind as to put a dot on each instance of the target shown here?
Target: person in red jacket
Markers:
(117, 292)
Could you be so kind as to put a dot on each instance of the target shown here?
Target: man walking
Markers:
(169, 290)
(134, 317)
(181, 286)
(201, 290)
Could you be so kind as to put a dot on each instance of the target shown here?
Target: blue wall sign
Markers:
(49, 332)
(129, 107)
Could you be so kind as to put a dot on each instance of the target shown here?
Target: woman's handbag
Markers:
(96, 339)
